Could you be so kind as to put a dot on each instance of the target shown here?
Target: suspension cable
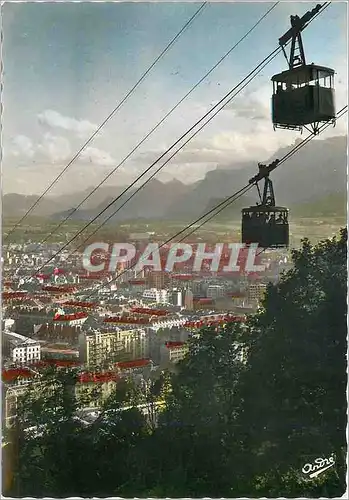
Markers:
(108, 118)
(71, 213)
(225, 203)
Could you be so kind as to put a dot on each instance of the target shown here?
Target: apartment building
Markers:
(102, 348)
(189, 300)
(20, 349)
(172, 352)
(86, 393)
(58, 332)
(10, 401)
(158, 279)
(215, 291)
(159, 338)
(12, 389)
(176, 297)
(155, 295)
(177, 321)
(256, 291)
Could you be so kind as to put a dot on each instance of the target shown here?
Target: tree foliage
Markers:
(244, 411)
(296, 373)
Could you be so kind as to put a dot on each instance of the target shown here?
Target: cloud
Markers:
(58, 148)
(240, 146)
(252, 104)
(187, 173)
(253, 109)
(53, 119)
(228, 143)
(22, 146)
(194, 155)
(54, 148)
(97, 156)
(35, 178)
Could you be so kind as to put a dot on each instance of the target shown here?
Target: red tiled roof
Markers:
(133, 364)
(171, 345)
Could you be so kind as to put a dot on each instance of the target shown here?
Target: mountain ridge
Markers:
(316, 172)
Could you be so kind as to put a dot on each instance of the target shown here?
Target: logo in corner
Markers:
(319, 466)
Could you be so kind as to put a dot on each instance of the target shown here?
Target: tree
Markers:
(59, 455)
(296, 374)
(196, 430)
(244, 411)
(45, 430)
(247, 430)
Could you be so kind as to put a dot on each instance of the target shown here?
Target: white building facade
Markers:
(158, 296)
(215, 291)
(22, 350)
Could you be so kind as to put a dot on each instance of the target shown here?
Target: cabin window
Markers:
(326, 82)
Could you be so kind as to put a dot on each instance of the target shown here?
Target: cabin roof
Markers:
(303, 74)
(260, 208)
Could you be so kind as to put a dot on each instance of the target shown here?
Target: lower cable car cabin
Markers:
(303, 96)
(265, 225)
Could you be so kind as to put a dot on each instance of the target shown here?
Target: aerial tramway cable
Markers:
(108, 118)
(71, 213)
(234, 197)
(288, 155)
(228, 97)
(324, 6)
(269, 57)
(170, 158)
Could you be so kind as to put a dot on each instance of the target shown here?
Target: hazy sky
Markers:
(66, 65)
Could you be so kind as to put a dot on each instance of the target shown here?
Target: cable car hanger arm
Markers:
(299, 24)
(294, 34)
(264, 171)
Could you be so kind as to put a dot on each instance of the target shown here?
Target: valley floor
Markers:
(36, 230)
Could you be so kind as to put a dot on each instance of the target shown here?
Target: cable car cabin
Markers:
(266, 225)
(303, 96)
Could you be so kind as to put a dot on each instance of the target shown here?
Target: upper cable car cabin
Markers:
(303, 96)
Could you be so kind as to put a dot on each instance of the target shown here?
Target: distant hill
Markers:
(334, 205)
(232, 211)
(313, 180)
(17, 205)
(315, 171)
(152, 202)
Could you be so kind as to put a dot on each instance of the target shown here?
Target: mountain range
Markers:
(314, 177)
